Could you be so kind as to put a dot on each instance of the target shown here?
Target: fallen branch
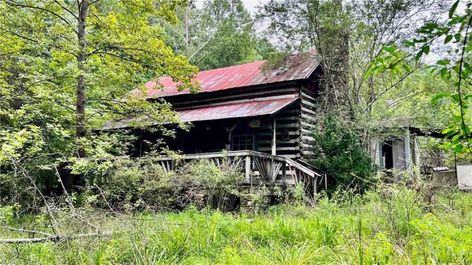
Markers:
(55, 238)
(34, 232)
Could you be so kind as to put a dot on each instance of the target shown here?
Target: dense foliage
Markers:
(67, 67)
(144, 184)
(450, 41)
(220, 33)
(348, 37)
(338, 152)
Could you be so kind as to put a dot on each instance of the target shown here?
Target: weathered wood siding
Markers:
(307, 120)
(195, 100)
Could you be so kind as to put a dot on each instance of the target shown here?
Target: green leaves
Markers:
(455, 69)
(339, 153)
(453, 8)
(440, 96)
(39, 68)
(391, 59)
(443, 62)
(20, 144)
(448, 39)
(425, 49)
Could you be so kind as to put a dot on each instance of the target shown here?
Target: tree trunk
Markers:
(81, 80)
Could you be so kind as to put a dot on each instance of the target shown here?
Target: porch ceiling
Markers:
(237, 109)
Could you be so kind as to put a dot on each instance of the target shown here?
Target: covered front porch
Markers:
(256, 134)
(269, 126)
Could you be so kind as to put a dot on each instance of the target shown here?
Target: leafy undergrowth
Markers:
(393, 226)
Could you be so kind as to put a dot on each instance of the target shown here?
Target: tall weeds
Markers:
(393, 225)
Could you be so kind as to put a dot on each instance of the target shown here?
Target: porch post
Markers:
(315, 189)
(417, 162)
(407, 150)
(326, 182)
(284, 170)
(274, 138)
(248, 168)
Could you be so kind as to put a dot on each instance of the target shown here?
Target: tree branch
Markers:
(66, 9)
(11, 3)
(54, 238)
(27, 231)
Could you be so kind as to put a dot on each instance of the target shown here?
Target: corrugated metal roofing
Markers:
(296, 67)
(228, 110)
(251, 108)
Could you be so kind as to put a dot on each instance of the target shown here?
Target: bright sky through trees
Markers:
(251, 5)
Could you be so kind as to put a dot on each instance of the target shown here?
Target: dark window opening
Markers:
(387, 154)
(242, 142)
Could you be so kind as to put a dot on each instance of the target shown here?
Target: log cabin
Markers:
(245, 107)
(265, 114)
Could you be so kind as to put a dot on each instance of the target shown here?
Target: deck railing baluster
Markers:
(266, 166)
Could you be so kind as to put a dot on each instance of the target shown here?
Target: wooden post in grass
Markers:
(248, 168)
(315, 189)
(326, 182)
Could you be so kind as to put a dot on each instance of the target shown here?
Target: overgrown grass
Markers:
(391, 226)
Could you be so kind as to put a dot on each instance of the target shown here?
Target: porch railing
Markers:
(258, 168)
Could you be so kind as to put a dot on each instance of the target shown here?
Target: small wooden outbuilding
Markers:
(399, 147)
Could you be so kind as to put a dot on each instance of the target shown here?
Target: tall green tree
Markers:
(452, 66)
(219, 33)
(232, 39)
(67, 67)
(347, 36)
(90, 52)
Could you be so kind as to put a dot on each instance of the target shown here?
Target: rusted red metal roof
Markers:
(228, 110)
(296, 67)
(238, 109)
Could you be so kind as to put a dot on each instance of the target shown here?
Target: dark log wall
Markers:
(294, 124)
(309, 112)
(201, 99)
(287, 133)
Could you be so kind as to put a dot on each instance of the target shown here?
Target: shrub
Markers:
(219, 183)
(338, 152)
(133, 185)
(136, 184)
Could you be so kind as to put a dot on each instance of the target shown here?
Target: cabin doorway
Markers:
(387, 155)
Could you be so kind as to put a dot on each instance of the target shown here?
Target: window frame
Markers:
(249, 136)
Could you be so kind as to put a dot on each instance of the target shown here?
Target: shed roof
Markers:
(248, 108)
(295, 67)
(227, 110)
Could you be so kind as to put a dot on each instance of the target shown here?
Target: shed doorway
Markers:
(387, 155)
